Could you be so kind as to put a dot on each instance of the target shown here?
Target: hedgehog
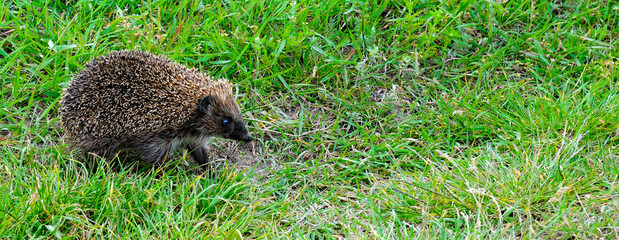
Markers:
(134, 100)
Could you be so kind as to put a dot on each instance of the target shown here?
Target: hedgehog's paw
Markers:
(199, 153)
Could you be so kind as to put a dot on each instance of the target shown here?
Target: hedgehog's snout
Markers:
(247, 138)
(240, 133)
(244, 135)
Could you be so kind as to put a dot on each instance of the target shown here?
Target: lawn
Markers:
(472, 119)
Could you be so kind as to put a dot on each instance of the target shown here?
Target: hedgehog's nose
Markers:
(247, 138)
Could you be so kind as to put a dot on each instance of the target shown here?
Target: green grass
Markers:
(374, 120)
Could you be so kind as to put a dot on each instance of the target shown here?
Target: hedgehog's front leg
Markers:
(198, 152)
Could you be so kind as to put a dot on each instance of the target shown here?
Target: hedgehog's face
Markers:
(221, 116)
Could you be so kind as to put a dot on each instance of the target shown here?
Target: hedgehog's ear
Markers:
(205, 103)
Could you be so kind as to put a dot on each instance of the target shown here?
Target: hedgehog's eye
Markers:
(225, 122)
